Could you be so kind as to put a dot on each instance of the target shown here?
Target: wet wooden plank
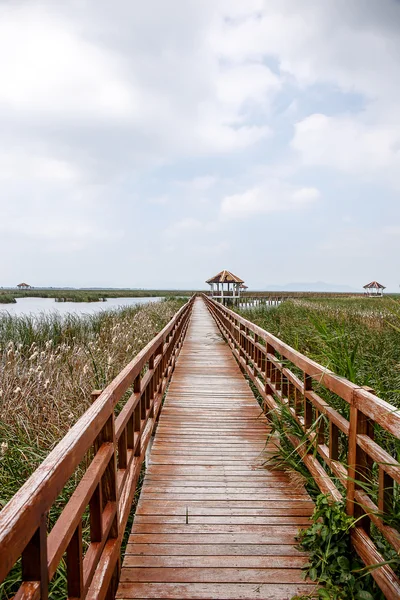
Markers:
(268, 509)
(212, 521)
(272, 537)
(203, 529)
(210, 575)
(198, 550)
(212, 591)
(224, 561)
(223, 519)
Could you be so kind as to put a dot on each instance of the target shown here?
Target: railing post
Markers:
(256, 355)
(269, 390)
(108, 487)
(285, 387)
(94, 395)
(96, 501)
(151, 393)
(308, 416)
(297, 401)
(242, 343)
(137, 388)
(158, 380)
(333, 441)
(34, 559)
(320, 427)
(360, 464)
(386, 492)
(75, 564)
(109, 478)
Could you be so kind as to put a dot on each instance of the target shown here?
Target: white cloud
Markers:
(198, 184)
(188, 224)
(273, 196)
(347, 143)
(363, 243)
(19, 165)
(48, 67)
(251, 84)
(159, 200)
(134, 124)
(392, 231)
(157, 86)
(335, 42)
(339, 47)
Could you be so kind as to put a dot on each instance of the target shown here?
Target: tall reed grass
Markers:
(355, 338)
(49, 365)
(358, 339)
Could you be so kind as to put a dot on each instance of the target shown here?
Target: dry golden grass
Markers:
(45, 386)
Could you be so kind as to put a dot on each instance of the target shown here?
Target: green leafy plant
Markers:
(332, 562)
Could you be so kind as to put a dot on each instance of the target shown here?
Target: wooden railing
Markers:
(351, 463)
(113, 449)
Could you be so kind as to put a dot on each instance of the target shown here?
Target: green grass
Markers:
(355, 338)
(7, 299)
(358, 339)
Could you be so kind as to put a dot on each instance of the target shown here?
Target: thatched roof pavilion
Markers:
(374, 289)
(228, 279)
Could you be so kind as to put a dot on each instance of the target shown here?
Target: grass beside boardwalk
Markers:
(49, 366)
(355, 338)
(358, 339)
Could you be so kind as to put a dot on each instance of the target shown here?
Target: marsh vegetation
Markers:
(49, 366)
(358, 339)
(8, 296)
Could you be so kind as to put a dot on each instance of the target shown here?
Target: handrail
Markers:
(115, 447)
(271, 364)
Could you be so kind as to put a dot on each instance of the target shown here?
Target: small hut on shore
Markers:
(374, 289)
(24, 286)
(225, 284)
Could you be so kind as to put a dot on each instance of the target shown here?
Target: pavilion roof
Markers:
(375, 285)
(23, 285)
(225, 277)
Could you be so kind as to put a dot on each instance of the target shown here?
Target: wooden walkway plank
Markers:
(212, 522)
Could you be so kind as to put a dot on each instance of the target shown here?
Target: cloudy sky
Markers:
(152, 144)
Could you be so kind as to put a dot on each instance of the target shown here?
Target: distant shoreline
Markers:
(10, 295)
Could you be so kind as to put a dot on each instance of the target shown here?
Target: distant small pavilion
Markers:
(225, 284)
(23, 286)
(374, 289)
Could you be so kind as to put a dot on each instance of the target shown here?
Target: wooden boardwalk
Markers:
(211, 521)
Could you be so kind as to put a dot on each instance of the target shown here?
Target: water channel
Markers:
(36, 306)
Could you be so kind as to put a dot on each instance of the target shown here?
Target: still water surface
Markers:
(36, 306)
